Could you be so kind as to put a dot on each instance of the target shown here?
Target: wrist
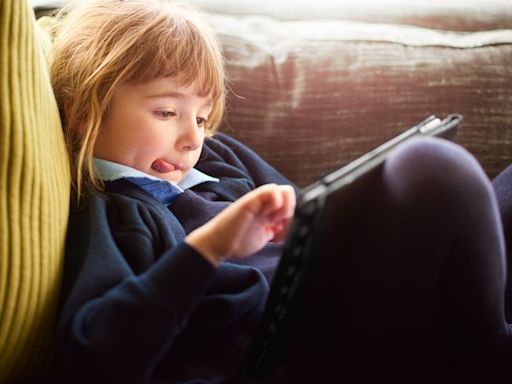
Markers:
(201, 240)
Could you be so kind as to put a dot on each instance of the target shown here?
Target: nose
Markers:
(191, 136)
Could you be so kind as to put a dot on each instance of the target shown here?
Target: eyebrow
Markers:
(175, 95)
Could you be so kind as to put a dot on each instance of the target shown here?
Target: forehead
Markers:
(167, 87)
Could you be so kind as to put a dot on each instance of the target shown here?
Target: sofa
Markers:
(312, 86)
(319, 88)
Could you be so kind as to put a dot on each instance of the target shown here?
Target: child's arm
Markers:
(117, 323)
(246, 225)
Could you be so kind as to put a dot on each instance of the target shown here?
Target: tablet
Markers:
(288, 286)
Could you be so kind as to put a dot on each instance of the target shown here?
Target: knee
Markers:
(436, 169)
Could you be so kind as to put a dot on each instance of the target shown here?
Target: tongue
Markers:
(162, 166)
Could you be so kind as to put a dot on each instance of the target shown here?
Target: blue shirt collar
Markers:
(163, 190)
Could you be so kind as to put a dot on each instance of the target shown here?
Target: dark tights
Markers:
(409, 281)
(503, 188)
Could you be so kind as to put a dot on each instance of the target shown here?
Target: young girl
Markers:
(141, 84)
(174, 231)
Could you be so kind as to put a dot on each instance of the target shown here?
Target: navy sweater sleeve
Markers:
(112, 309)
(138, 303)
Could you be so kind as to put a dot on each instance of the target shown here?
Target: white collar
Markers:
(109, 171)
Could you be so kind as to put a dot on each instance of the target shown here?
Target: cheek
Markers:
(144, 133)
(200, 148)
(149, 145)
(135, 141)
(198, 154)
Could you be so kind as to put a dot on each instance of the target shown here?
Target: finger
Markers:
(258, 200)
(289, 200)
(282, 230)
(287, 208)
(271, 201)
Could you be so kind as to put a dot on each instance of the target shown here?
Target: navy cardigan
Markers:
(139, 305)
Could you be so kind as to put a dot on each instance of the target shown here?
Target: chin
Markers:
(174, 178)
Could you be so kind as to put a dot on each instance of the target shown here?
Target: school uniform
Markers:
(139, 304)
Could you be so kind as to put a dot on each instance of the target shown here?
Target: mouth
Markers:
(162, 166)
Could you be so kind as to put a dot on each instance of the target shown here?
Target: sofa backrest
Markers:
(453, 15)
(310, 95)
(316, 84)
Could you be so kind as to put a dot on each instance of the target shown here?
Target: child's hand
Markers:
(246, 225)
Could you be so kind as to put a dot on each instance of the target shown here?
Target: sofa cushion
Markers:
(313, 94)
(34, 196)
(455, 15)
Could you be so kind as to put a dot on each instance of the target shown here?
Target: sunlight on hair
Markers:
(101, 44)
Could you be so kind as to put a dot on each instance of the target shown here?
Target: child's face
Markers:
(155, 127)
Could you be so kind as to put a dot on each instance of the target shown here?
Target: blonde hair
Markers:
(101, 44)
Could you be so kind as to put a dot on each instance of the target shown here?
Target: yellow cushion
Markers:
(34, 195)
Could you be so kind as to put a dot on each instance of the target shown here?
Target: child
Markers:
(140, 85)
(174, 231)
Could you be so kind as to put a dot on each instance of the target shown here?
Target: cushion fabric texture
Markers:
(310, 95)
(34, 196)
(453, 15)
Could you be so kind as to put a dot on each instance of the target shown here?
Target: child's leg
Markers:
(409, 284)
(503, 188)
(449, 201)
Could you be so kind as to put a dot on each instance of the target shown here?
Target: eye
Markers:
(201, 122)
(164, 115)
